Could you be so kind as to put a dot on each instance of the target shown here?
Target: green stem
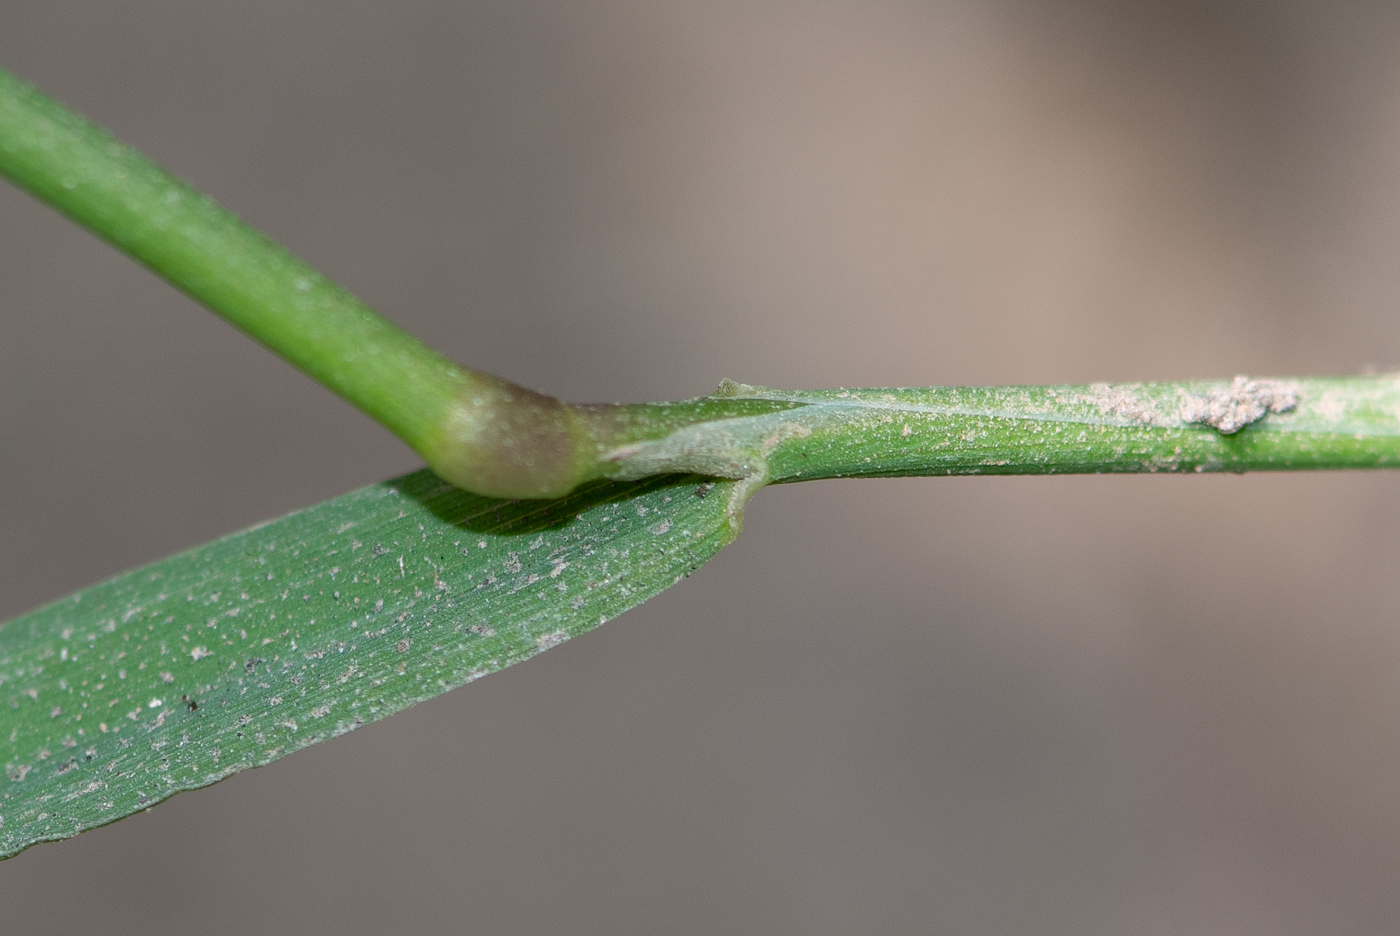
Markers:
(494, 438)
(207, 252)
(1194, 426)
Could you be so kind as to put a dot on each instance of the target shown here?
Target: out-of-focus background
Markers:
(1055, 705)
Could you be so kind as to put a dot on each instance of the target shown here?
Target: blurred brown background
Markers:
(1141, 705)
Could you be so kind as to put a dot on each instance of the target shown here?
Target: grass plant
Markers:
(536, 519)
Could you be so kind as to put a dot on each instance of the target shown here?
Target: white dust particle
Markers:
(545, 641)
(663, 527)
(154, 703)
(1332, 406)
(1244, 402)
(200, 653)
(320, 711)
(166, 677)
(1120, 401)
(90, 788)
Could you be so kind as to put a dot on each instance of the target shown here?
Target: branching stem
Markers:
(494, 438)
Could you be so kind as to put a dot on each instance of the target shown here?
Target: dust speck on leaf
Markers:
(553, 639)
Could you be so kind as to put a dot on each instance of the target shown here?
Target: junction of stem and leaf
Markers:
(758, 435)
(494, 438)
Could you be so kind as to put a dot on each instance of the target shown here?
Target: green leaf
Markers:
(237, 653)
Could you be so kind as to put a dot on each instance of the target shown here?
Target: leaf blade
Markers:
(241, 651)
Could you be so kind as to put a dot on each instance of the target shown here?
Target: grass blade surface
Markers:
(239, 652)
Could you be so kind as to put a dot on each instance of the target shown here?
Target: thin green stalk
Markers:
(497, 439)
(1196, 426)
(208, 253)
(204, 250)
